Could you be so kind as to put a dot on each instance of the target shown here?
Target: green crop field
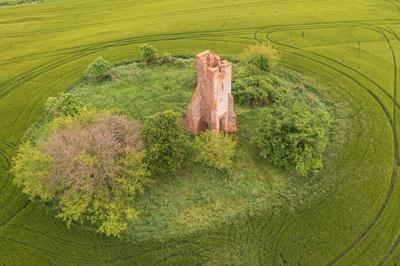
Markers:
(350, 47)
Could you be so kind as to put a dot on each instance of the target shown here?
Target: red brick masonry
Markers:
(212, 103)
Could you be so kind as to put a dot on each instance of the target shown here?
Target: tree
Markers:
(292, 134)
(99, 70)
(214, 149)
(166, 143)
(251, 88)
(91, 165)
(149, 54)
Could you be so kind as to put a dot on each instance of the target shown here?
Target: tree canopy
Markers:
(90, 164)
(292, 134)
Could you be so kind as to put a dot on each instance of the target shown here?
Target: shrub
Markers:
(149, 54)
(261, 55)
(167, 59)
(251, 88)
(183, 63)
(91, 165)
(214, 149)
(64, 104)
(291, 134)
(98, 70)
(166, 143)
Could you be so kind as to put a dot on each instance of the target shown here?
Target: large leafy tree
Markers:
(251, 88)
(293, 134)
(166, 143)
(90, 164)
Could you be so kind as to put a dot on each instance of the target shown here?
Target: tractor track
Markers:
(9, 86)
(391, 121)
(146, 17)
(317, 25)
(390, 252)
(394, 176)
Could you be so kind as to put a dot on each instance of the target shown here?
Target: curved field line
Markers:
(155, 15)
(390, 252)
(393, 97)
(393, 3)
(394, 175)
(145, 38)
(206, 33)
(378, 86)
(95, 49)
(7, 86)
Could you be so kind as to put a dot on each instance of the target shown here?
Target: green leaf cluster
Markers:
(293, 135)
(251, 88)
(99, 70)
(166, 141)
(64, 104)
(95, 182)
(149, 54)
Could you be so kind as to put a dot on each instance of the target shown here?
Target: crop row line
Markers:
(391, 122)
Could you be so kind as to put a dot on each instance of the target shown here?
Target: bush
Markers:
(182, 62)
(292, 134)
(64, 104)
(167, 59)
(91, 165)
(261, 55)
(214, 150)
(166, 143)
(251, 88)
(149, 54)
(98, 70)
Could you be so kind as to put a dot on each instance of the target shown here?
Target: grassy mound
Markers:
(200, 197)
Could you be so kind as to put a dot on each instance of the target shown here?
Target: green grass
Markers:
(142, 91)
(343, 45)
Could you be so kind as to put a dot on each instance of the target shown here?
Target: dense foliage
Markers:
(166, 143)
(65, 104)
(213, 149)
(262, 55)
(98, 70)
(251, 88)
(252, 81)
(292, 134)
(149, 54)
(91, 165)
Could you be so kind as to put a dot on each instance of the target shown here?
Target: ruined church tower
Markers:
(212, 103)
